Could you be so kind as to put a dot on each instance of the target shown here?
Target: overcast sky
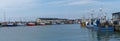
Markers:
(30, 9)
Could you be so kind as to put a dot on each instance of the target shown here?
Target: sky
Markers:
(31, 9)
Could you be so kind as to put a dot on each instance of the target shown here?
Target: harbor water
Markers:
(68, 32)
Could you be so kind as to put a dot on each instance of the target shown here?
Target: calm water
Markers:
(55, 33)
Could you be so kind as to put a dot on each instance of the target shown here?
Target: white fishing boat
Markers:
(20, 24)
(42, 23)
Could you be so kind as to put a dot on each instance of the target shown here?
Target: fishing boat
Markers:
(102, 24)
(82, 24)
(8, 24)
(106, 28)
(30, 24)
(90, 23)
(20, 24)
(42, 23)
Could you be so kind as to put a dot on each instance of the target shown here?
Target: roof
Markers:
(51, 19)
(117, 13)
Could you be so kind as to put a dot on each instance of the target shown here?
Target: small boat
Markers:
(90, 25)
(30, 24)
(82, 24)
(8, 25)
(42, 23)
(20, 24)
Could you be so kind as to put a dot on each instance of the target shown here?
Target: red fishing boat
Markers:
(30, 24)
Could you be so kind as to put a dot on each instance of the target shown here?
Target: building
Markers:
(116, 16)
(50, 20)
(116, 21)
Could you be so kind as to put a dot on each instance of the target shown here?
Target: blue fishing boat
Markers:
(110, 28)
(8, 25)
(106, 28)
(101, 26)
(101, 23)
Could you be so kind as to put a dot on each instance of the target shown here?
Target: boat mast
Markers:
(92, 13)
(4, 17)
(103, 14)
(100, 10)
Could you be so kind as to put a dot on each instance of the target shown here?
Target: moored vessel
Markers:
(30, 24)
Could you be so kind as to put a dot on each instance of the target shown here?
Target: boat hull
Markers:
(30, 24)
(103, 28)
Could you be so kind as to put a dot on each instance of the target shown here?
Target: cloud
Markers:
(72, 2)
(83, 2)
(16, 3)
(41, 8)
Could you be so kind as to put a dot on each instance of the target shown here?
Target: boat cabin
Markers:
(116, 17)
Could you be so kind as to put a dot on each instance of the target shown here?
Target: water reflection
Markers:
(116, 36)
(56, 33)
(103, 35)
